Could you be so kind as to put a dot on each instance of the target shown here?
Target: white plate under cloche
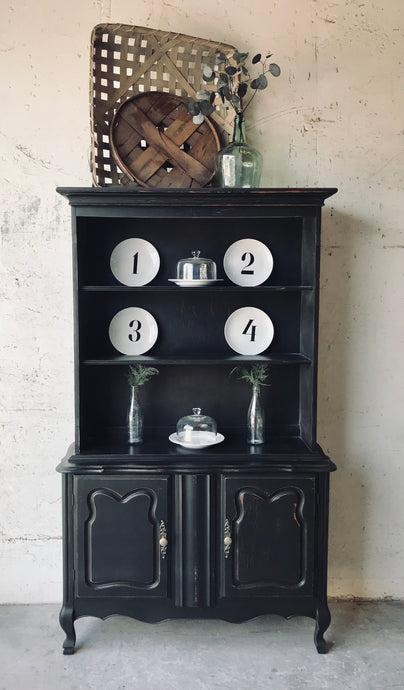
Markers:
(197, 282)
(135, 262)
(133, 331)
(249, 331)
(200, 442)
(248, 262)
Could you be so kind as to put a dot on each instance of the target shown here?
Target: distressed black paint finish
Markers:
(153, 531)
(196, 563)
(273, 537)
(117, 527)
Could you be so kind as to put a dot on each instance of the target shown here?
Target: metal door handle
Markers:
(227, 541)
(163, 539)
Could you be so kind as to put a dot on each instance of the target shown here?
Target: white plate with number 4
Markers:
(249, 331)
(248, 262)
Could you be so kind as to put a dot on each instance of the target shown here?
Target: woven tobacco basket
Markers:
(127, 61)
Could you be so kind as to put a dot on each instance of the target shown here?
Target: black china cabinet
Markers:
(155, 530)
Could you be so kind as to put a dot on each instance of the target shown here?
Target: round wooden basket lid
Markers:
(156, 143)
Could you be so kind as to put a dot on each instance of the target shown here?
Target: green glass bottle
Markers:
(238, 164)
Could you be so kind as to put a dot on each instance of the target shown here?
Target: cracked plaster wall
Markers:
(334, 118)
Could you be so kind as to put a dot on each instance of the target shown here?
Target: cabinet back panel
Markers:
(175, 239)
(189, 321)
(176, 390)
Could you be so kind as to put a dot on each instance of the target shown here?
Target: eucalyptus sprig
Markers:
(231, 84)
(139, 375)
(256, 376)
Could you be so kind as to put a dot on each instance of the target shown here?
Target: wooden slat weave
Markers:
(153, 131)
(128, 60)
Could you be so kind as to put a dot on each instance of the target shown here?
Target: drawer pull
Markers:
(163, 542)
(227, 541)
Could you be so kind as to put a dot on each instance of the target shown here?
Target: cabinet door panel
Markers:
(119, 523)
(270, 522)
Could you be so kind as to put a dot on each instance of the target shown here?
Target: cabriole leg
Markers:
(67, 623)
(323, 619)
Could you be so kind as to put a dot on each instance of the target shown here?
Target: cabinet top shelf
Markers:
(207, 196)
(158, 455)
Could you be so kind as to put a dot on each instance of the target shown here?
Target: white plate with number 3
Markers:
(249, 331)
(133, 331)
(248, 262)
(135, 262)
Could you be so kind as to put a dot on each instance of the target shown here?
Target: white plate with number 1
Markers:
(249, 331)
(135, 262)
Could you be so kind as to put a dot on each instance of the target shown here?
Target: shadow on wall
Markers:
(343, 374)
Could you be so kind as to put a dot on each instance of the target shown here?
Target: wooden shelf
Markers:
(208, 288)
(156, 444)
(275, 359)
(278, 453)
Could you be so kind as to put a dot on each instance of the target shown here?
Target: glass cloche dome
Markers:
(196, 428)
(196, 268)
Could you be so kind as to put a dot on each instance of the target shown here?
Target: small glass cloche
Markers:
(196, 268)
(196, 428)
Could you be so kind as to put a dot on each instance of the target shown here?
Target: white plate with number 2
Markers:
(249, 331)
(135, 262)
(248, 262)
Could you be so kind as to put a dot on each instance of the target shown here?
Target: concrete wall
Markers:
(333, 118)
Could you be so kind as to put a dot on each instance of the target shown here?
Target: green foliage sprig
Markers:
(139, 375)
(256, 376)
(231, 84)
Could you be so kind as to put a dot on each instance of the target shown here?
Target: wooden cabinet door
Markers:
(121, 535)
(268, 535)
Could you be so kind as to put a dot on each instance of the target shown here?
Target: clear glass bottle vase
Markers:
(255, 419)
(238, 164)
(135, 418)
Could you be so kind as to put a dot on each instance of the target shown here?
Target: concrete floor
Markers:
(366, 652)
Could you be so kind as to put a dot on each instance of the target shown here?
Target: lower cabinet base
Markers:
(154, 612)
(229, 545)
